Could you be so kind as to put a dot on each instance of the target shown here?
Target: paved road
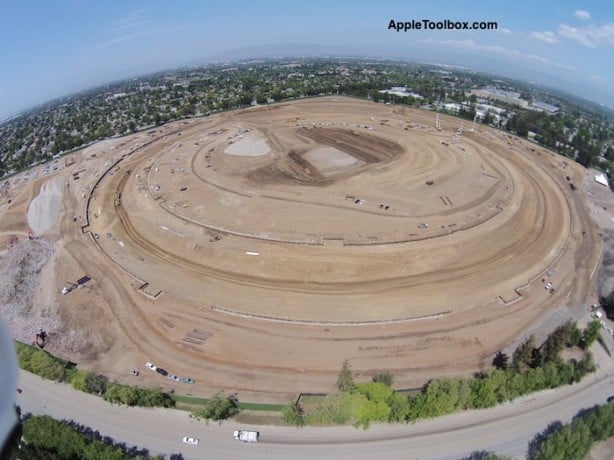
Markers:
(505, 429)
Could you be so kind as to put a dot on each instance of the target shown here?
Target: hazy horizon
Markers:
(53, 50)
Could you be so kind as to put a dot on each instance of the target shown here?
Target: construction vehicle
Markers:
(246, 436)
(68, 287)
(40, 337)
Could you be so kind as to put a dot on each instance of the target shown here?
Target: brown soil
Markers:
(261, 274)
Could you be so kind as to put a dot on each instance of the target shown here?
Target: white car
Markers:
(149, 365)
(190, 440)
(246, 436)
(173, 377)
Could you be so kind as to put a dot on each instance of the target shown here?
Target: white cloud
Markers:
(598, 79)
(127, 28)
(136, 25)
(548, 37)
(504, 31)
(582, 14)
(472, 45)
(590, 36)
(118, 40)
(134, 20)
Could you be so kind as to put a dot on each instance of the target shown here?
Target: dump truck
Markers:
(246, 436)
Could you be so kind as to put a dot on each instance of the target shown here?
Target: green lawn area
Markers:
(193, 400)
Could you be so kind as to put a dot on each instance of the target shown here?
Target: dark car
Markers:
(161, 371)
(611, 399)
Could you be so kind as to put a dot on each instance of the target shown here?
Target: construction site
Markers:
(256, 250)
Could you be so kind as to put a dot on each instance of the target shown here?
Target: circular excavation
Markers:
(256, 250)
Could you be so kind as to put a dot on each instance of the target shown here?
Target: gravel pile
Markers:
(20, 271)
(606, 273)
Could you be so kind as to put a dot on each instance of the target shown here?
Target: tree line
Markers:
(532, 369)
(43, 437)
(50, 367)
(574, 440)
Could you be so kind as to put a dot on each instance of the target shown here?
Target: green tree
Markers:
(372, 411)
(113, 393)
(79, 380)
(89, 382)
(46, 438)
(522, 359)
(483, 392)
(41, 363)
(590, 333)
(385, 377)
(561, 337)
(484, 455)
(155, 398)
(49, 434)
(441, 397)
(500, 361)
(221, 407)
(345, 380)
(129, 395)
(574, 440)
(607, 302)
(293, 414)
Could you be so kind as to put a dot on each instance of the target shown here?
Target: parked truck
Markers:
(246, 436)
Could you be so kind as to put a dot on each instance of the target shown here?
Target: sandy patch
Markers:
(329, 160)
(43, 210)
(249, 148)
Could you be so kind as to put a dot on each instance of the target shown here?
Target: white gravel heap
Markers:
(20, 269)
(45, 207)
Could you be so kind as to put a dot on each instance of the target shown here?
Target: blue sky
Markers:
(52, 48)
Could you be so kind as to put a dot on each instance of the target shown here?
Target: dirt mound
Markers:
(369, 148)
(43, 210)
(290, 169)
(294, 166)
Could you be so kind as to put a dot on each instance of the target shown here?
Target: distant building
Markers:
(452, 107)
(602, 179)
(491, 108)
(543, 107)
(509, 97)
(401, 91)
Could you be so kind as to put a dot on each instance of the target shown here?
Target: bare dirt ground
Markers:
(334, 229)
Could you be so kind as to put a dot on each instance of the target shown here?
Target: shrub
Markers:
(386, 378)
(134, 396)
(89, 382)
(219, 408)
(293, 414)
(336, 409)
(41, 363)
